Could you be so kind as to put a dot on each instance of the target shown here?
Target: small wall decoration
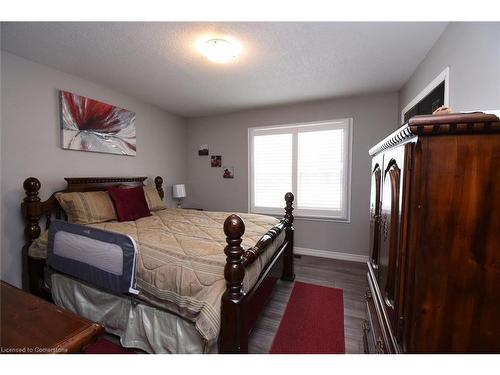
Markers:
(216, 161)
(203, 150)
(90, 125)
(228, 172)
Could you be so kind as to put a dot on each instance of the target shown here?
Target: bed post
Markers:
(233, 337)
(288, 272)
(32, 210)
(159, 188)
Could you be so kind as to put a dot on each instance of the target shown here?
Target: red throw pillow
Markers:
(130, 203)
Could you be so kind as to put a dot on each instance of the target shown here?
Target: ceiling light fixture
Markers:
(219, 50)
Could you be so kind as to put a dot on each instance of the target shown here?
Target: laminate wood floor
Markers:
(345, 275)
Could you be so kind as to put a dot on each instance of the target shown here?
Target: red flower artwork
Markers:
(90, 125)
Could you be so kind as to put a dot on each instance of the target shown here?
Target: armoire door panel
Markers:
(375, 214)
(392, 179)
(390, 255)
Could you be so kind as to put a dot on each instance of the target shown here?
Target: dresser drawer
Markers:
(372, 330)
(381, 333)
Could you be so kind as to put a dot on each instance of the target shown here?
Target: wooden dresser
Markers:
(434, 268)
(31, 325)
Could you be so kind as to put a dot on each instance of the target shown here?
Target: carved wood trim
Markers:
(288, 265)
(394, 173)
(234, 271)
(233, 338)
(101, 180)
(375, 214)
(251, 254)
(32, 209)
(289, 198)
(457, 123)
(158, 185)
(456, 128)
(101, 183)
(402, 134)
(452, 118)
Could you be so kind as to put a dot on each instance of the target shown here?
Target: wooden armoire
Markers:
(434, 265)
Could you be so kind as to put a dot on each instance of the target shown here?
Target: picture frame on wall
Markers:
(216, 161)
(228, 172)
(91, 125)
(203, 150)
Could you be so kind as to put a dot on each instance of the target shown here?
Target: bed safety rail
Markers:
(102, 258)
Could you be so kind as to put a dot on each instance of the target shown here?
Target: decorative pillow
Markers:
(130, 203)
(87, 207)
(153, 198)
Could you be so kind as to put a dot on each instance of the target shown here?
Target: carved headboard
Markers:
(33, 208)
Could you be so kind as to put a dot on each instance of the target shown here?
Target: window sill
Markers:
(304, 217)
(319, 218)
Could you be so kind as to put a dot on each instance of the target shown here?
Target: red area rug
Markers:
(103, 346)
(313, 322)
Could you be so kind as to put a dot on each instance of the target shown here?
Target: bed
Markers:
(229, 265)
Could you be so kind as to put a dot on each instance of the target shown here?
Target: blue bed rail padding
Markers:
(102, 258)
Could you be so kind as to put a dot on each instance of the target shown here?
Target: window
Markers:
(311, 160)
(434, 95)
(428, 104)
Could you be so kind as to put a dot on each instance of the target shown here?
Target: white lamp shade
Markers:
(179, 191)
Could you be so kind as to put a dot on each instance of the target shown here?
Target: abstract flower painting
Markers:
(89, 125)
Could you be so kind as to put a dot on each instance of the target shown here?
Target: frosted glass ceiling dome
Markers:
(219, 50)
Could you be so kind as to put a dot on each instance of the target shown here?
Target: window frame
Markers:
(444, 76)
(306, 214)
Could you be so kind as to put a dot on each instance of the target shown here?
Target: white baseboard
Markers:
(331, 254)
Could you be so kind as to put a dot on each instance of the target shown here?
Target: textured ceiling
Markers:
(281, 62)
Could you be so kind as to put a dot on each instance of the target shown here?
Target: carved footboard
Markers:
(238, 308)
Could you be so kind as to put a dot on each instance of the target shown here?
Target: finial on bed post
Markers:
(158, 184)
(289, 197)
(31, 208)
(234, 228)
(288, 271)
(232, 339)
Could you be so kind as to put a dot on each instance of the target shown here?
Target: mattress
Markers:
(180, 263)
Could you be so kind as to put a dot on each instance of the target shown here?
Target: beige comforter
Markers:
(181, 260)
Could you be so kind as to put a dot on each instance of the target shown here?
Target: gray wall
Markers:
(1, 127)
(374, 117)
(472, 51)
(31, 144)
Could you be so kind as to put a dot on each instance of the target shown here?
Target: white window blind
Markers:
(312, 160)
(272, 179)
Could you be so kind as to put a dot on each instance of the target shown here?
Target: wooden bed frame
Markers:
(239, 310)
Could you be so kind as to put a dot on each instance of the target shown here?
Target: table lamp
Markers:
(179, 192)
